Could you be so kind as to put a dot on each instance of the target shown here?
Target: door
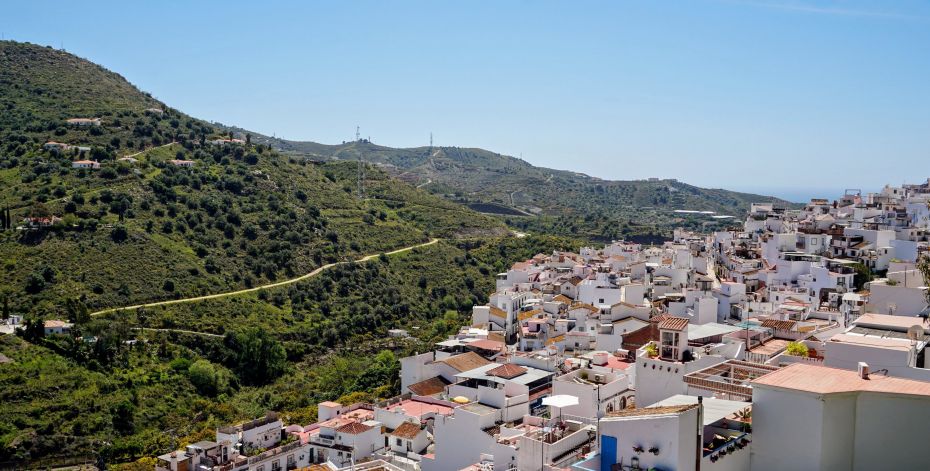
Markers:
(608, 452)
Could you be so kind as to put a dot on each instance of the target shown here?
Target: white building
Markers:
(818, 418)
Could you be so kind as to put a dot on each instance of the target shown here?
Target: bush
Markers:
(797, 349)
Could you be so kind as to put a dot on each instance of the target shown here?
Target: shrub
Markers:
(797, 349)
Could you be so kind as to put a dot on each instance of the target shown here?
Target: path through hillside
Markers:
(262, 287)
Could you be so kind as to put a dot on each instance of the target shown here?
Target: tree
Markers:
(122, 416)
(924, 266)
(119, 233)
(6, 306)
(258, 358)
(797, 349)
(35, 283)
(207, 378)
(168, 285)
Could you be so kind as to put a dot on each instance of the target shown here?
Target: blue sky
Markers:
(775, 95)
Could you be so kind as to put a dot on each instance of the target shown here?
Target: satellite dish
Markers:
(915, 332)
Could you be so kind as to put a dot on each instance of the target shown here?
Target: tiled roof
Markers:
(353, 428)
(778, 324)
(647, 411)
(557, 338)
(584, 306)
(408, 430)
(428, 387)
(507, 371)
(562, 299)
(824, 380)
(486, 344)
(674, 323)
(465, 361)
(522, 316)
(498, 312)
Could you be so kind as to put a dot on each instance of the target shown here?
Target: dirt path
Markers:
(262, 287)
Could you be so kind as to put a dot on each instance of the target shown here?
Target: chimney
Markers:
(863, 370)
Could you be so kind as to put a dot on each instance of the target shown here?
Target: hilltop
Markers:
(561, 201)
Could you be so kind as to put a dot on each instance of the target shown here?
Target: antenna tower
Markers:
(357, 134)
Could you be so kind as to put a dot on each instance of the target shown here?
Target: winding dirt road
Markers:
(262, 287)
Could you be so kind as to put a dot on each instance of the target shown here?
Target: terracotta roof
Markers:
(56, 323)
(408, 430)
(575, 280)
(498, 312)
(507, 371)
(674, 323)
(778, 324)
(557, 338)
(353, 428)
(522, 316)
(465, 361)
(647, 411)
(562, 299)
(584, 306)
(428, 387)
(824, 380)
(330, 404)
(485, 344)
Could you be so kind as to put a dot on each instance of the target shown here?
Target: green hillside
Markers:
(562, 202)
(75, 241)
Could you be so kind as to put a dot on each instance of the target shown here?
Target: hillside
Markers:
(133, 232)
(563, 201)
(233, 215)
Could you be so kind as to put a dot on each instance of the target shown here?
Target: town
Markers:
(796, 340)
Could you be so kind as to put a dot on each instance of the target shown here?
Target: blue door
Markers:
(608, 452)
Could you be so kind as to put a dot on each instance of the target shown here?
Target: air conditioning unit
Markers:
(600, 379)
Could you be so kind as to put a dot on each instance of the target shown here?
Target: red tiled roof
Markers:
(465, 361)
(485, 344)
(353, 428)
(498, 312)
(408, 430)
(778, 324)
(428, 387)
(824, 380)
(507, 371)
(674, 323)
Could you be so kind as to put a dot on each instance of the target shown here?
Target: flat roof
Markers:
(825, 380)
(710, 329)
(871, 341)
(479, 408)
(714, 409)
(896, 322)
(415, 408)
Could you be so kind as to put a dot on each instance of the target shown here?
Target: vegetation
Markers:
(75, 241)
(797, 349)
(923, 265)
(541, 200)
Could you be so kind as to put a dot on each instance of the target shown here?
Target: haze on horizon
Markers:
(829, 93)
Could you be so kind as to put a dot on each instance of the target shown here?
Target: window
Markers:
(400, 442)
(814, 241)
(601, 301)
(275, 466)
(260, 468)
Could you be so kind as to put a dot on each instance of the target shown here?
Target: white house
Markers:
(818, 418)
